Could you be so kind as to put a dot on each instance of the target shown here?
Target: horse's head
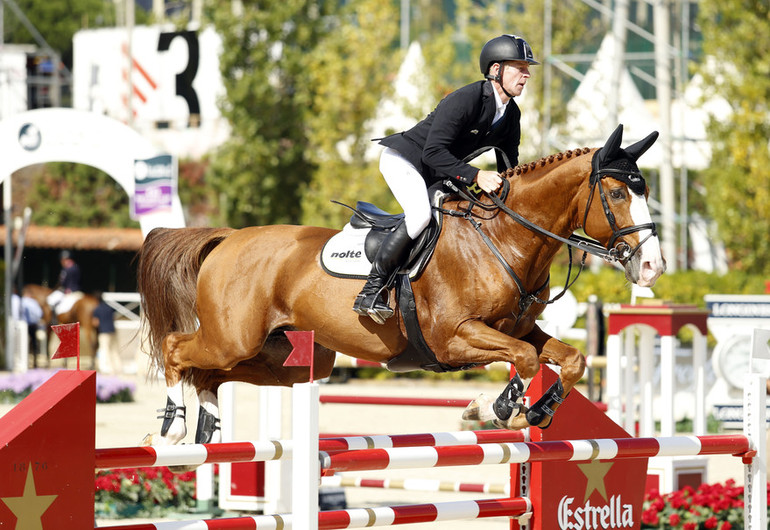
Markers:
(616, 212)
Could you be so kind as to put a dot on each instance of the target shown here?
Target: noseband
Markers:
(622, 252)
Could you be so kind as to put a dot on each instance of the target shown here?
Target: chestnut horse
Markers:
(217, 300)
(81, 311)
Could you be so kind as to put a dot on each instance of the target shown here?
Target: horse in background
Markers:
(81, 311)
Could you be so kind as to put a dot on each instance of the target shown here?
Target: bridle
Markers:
(620, 252)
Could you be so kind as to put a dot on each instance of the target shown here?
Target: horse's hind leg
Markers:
(174, 427)
(174, 415)
(266, 368)
(208, 429)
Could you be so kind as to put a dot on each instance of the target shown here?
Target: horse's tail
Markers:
(167, 274)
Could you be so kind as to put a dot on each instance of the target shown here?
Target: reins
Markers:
(620, 253)
(526, 299)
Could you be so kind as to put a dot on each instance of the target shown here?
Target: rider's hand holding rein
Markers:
(488, 181)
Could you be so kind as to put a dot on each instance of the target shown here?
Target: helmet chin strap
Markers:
(499, 79)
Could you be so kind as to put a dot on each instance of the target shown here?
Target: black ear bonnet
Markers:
(620, 164)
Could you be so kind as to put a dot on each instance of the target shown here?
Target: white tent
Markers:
(589, 109)
(589, 112)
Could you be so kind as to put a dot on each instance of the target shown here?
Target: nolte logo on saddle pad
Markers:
(347, 254)
(344, 255)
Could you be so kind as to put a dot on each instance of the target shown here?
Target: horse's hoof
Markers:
(155, 440)
(480, 409)
(514, 423)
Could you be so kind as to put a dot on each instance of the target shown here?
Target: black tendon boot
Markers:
(371, 300)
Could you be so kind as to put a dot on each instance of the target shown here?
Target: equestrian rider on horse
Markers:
(481, 114)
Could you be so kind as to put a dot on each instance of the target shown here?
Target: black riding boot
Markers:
(371, 300)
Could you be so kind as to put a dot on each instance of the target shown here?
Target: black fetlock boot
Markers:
(544, 406)
(371, 300)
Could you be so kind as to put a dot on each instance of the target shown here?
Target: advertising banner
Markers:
(155, 185)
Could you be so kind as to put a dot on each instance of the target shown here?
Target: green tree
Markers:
(736, 35)
(68, 194)
(57, 21)
(351, 71)
(263, 168)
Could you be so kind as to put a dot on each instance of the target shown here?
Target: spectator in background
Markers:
(107, 351)
(32, 314)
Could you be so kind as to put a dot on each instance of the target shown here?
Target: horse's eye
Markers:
(618, 194)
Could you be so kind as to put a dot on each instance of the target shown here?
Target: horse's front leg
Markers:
(476, 342)
(572, 364)
(535, 347)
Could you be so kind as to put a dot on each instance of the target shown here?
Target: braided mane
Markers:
(551, 159)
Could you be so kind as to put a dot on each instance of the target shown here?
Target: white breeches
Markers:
(409, 189)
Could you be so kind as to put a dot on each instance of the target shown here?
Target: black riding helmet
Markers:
(505, 48)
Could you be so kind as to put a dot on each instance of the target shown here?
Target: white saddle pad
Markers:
(343, 255)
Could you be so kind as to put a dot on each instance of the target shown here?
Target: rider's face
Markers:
(515, 75)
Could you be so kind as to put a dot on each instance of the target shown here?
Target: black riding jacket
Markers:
(459, 125)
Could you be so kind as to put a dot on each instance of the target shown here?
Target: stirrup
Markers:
(358, 305)
(380, 315)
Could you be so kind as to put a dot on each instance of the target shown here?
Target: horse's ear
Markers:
(610, 149)
(639, 148)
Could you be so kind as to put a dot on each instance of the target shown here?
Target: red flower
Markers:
(711, 522)
(674, 519)
(725, 526)
(650, 517)
(690, 526)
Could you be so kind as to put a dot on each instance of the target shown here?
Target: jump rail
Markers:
(517, 453)
(424, 450)
(409, 401)
(360, 517)
(262, 451)
(415, 484)
(42, 429)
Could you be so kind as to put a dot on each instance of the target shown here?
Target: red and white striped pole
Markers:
(359, 517)
(511, 453)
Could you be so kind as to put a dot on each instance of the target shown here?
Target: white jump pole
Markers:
(306, 467)
(755, 429)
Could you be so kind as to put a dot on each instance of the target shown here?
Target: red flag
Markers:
(302, 354)
(69, 335)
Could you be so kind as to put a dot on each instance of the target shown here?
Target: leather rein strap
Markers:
(526, 299)
(620, 253)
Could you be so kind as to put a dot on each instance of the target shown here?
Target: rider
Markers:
(482, 114)
(68, 290)
(69, 277)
